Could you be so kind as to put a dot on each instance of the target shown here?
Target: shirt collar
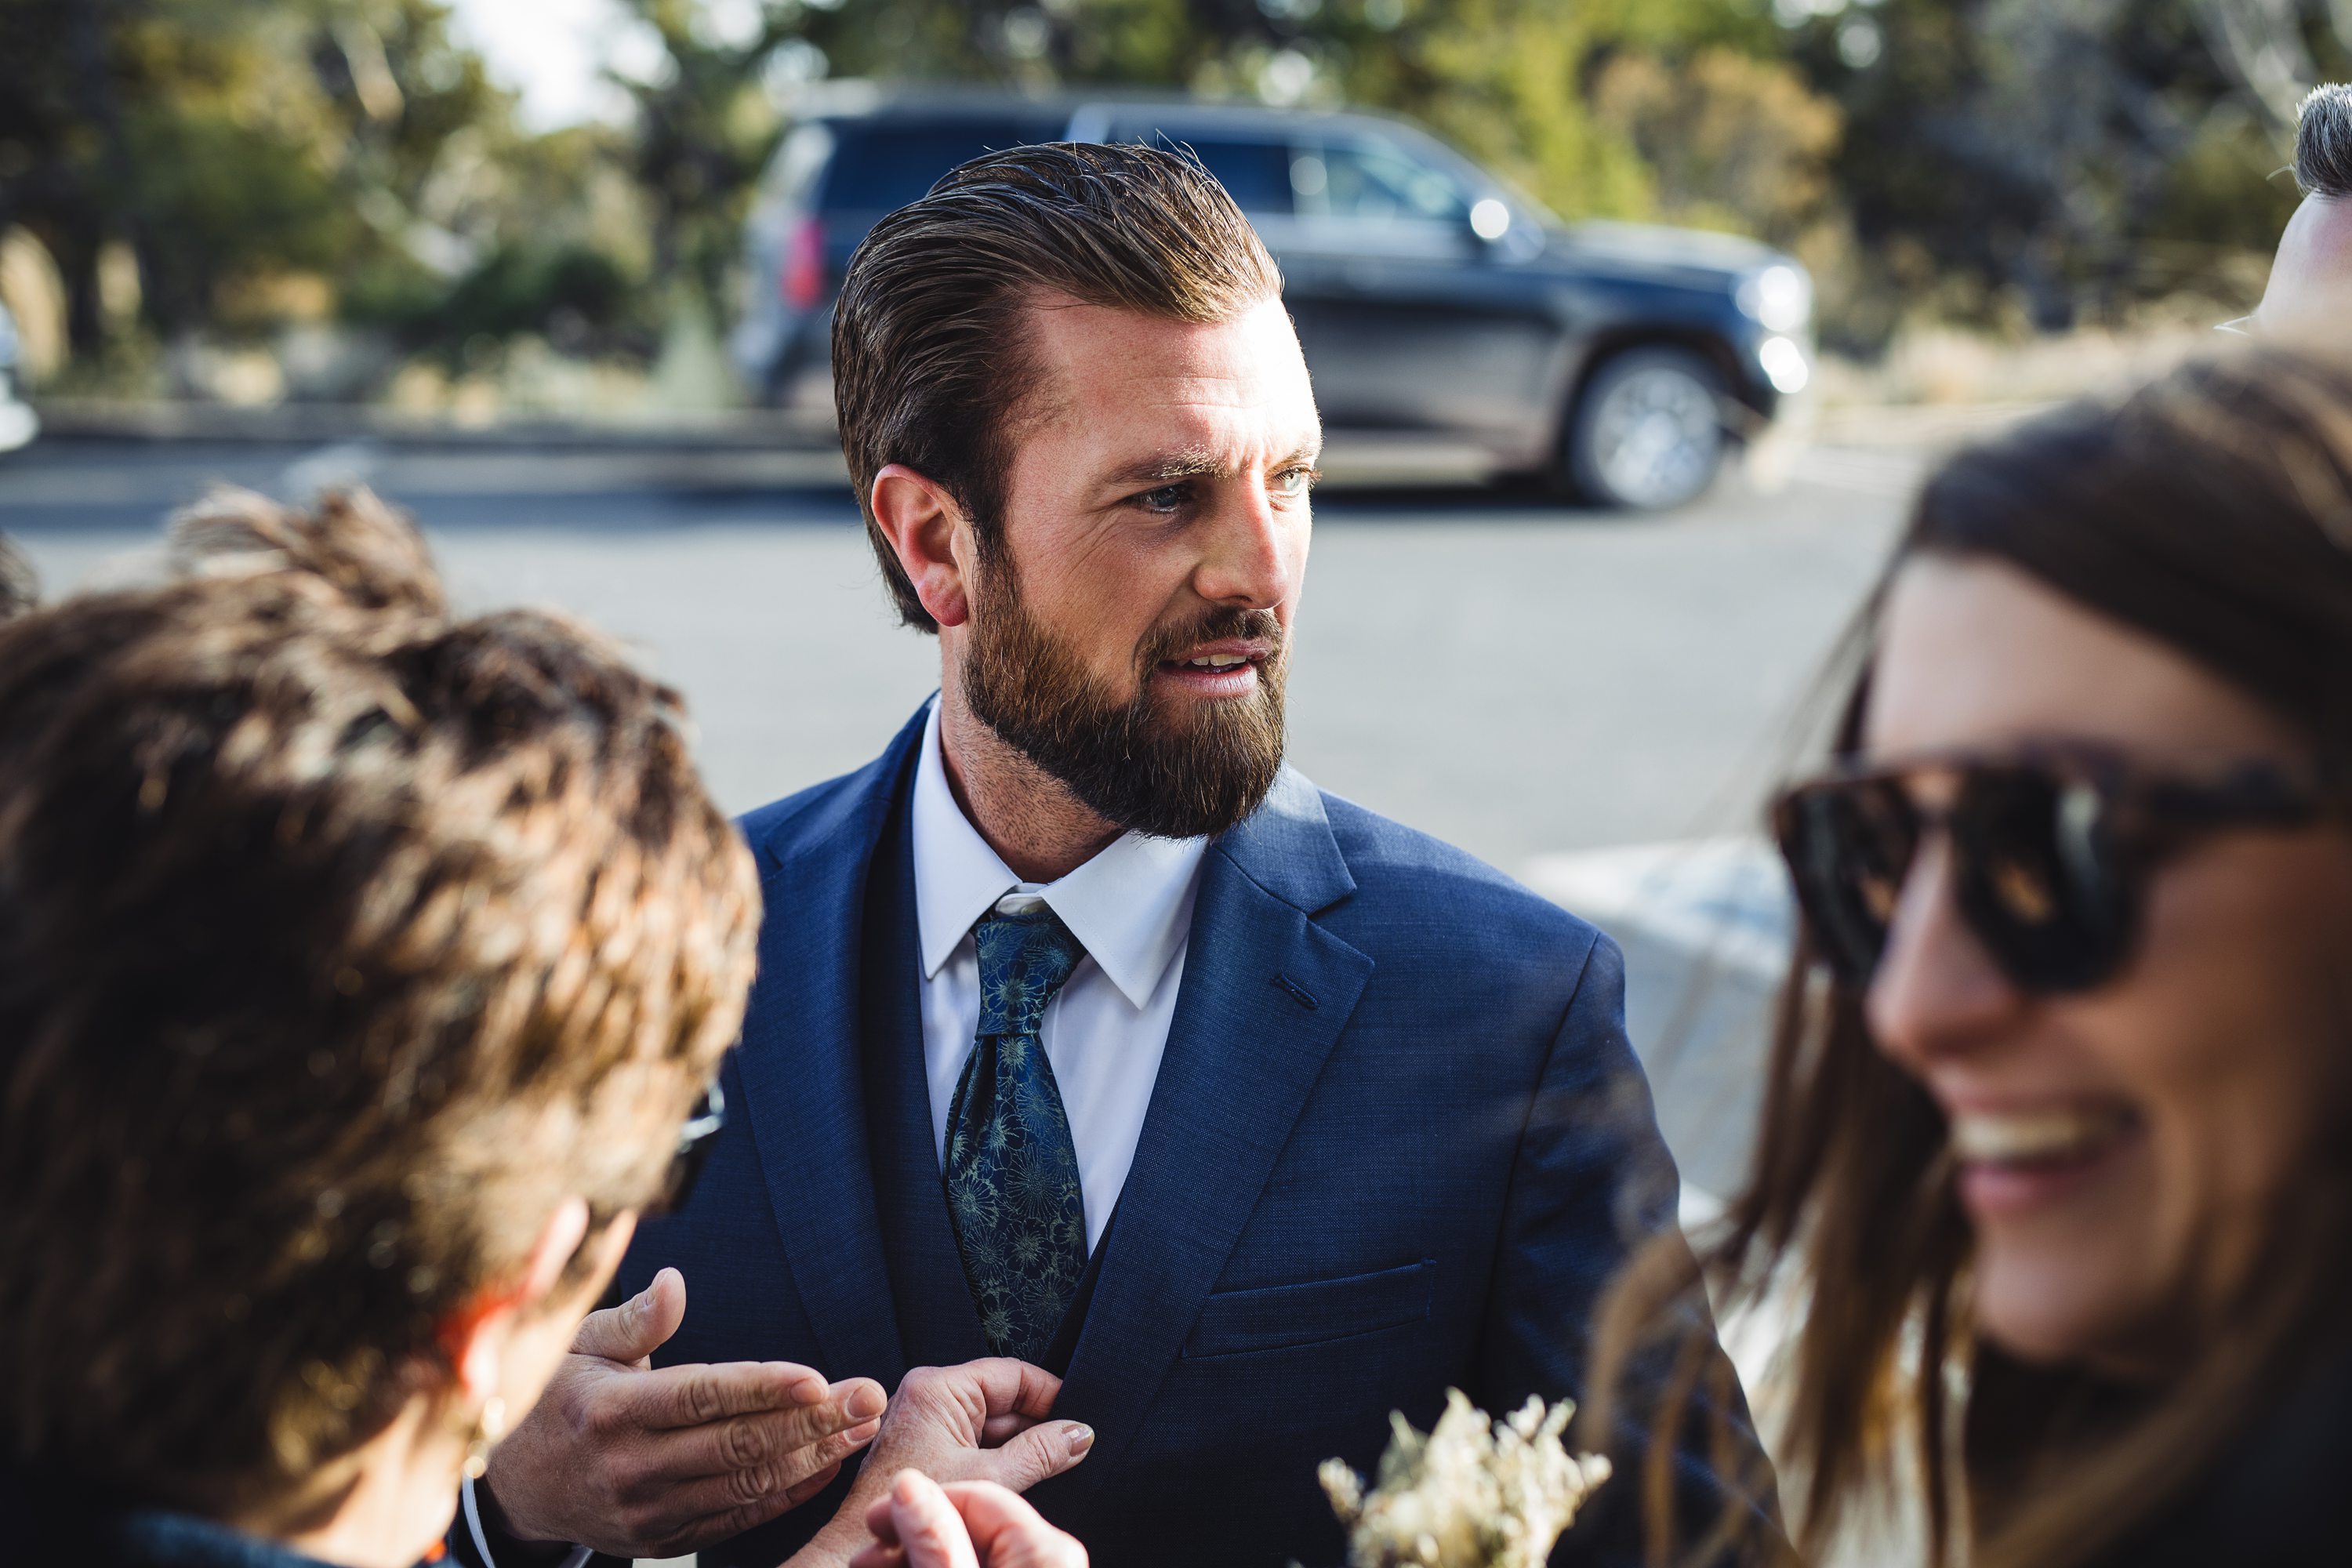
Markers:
(1130, 906)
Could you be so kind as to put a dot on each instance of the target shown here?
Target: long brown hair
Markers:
(2212, 510)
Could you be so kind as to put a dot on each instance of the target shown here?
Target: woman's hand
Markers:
(983, 1421)
(965, 1524)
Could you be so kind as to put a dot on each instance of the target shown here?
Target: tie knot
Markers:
(1025, 960)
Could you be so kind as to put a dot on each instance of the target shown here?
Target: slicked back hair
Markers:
(342, 940)
(2323, 142)
(931, 362)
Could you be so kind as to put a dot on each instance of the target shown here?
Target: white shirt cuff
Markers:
(580, 1554)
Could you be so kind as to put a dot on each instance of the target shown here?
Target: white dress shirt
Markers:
(1130, 906)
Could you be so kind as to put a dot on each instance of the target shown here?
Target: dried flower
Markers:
(1474, 1493)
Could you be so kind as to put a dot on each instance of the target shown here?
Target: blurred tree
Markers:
(2037, 161)
(2060, 158)
(2272, 48)
(705, 128)
(1731, 141)
(1505, 79)
(230, 143)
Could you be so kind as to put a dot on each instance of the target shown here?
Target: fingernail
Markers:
(1081, 1439)
(866, 1402)
(808, 1391)
(863, 1434)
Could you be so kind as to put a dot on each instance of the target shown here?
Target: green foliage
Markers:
(704, 131)
(1505, 79)
(2041, 161)
(233, 199)
(579, 298)
(262, 159)
(2055, 161)
(1731, 142)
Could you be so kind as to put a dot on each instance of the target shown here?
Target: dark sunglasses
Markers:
(2051, 855)
(694, 1142)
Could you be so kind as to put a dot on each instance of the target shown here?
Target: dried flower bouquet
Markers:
(1474, 1493)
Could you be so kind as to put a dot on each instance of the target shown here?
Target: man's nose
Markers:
(1253, 551)
(1937, 991)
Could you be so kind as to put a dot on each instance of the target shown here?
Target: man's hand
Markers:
(982, 1421)
(640, 1463)
(970, 1524)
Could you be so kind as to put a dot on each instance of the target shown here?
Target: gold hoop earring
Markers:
(488, 1429)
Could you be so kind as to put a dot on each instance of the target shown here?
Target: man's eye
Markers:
(1295, 481)
(1167, 498)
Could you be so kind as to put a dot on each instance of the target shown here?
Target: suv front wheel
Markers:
(1647, 434)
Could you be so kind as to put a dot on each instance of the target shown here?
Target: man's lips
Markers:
(1225, 668)
(1223, 655)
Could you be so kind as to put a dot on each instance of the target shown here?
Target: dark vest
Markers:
(938, 1322)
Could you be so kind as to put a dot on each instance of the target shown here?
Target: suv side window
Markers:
(1256, 174)
(1373, 183)
(1254, 170)
(881, 166)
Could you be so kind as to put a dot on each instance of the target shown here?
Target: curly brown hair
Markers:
(342, 940)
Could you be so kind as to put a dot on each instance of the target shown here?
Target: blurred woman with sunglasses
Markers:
(365, 974)
(2058, 1124)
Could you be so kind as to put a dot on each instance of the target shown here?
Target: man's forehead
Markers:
(1113, 354)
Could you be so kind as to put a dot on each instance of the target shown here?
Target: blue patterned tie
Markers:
(1011, 1171)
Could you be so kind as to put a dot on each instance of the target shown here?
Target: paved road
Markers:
(1522, 679)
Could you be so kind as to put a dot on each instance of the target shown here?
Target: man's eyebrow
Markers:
(1167, 467)
(1193, 463)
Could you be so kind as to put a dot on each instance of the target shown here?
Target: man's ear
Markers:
(475, 1336)
(923, 522)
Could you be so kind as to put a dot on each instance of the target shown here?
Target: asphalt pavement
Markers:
(1531, 680)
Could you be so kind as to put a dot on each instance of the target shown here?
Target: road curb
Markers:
(65, 420)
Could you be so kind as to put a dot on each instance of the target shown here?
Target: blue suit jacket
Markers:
(1398, 1144)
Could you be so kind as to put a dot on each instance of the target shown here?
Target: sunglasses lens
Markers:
(2039, 877)
(1849, 847)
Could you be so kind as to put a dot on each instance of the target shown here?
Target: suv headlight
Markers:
(1779, 298)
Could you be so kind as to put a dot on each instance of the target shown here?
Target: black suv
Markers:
(1450, 324)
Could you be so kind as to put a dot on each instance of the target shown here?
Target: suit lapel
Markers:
(799, 1064)
(1266, 995)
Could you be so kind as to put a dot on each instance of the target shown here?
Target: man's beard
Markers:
(1142, 768)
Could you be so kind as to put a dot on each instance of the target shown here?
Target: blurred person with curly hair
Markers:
(364, 976)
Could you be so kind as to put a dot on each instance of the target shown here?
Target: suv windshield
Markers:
(880, 167)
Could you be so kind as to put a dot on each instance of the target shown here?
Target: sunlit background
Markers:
(488, 256)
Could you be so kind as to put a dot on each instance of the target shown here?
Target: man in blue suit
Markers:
(1088, 1036)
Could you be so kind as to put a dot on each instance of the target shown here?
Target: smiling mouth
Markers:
(2044, 1137)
